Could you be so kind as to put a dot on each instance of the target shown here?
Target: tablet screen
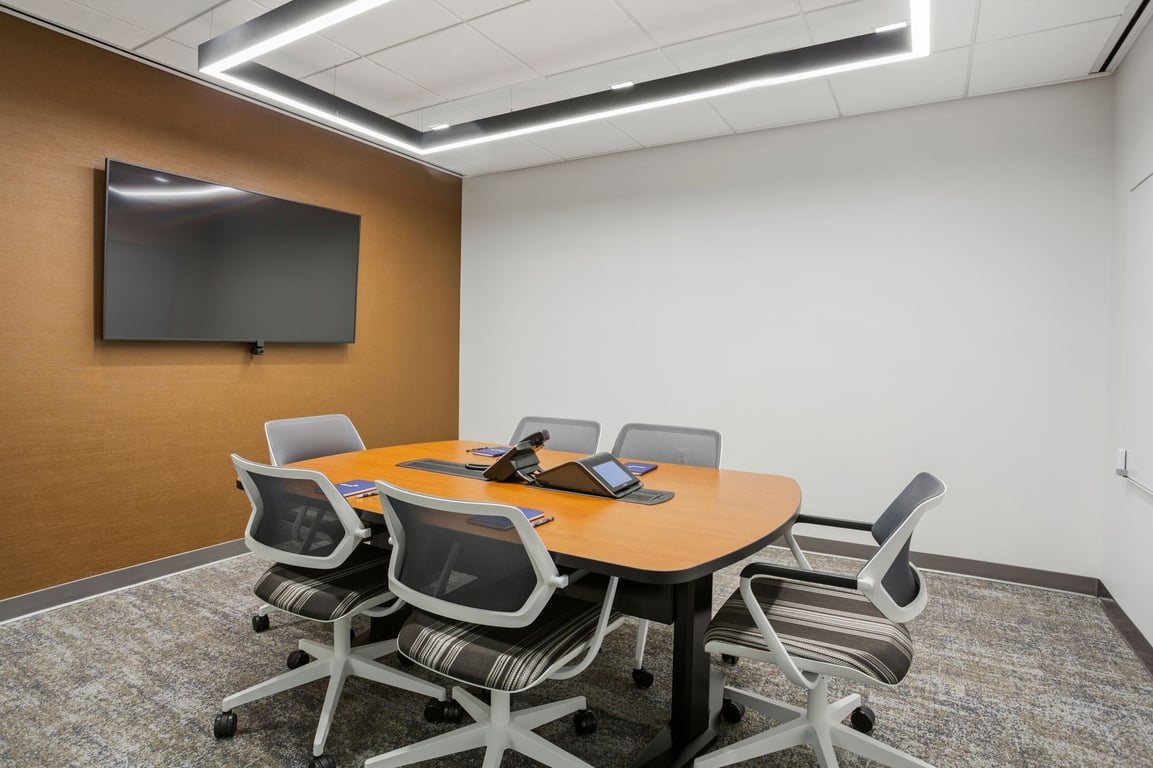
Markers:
(613, 474)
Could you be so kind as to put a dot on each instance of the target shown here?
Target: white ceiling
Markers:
(424, 62)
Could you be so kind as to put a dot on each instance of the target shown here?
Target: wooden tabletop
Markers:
(716, 518)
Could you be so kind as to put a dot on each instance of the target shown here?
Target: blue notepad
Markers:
(503, 523)
(354, 487)
(639, 467)
(496, 450)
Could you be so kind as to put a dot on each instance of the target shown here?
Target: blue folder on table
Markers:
(503, 523)
(355, 487)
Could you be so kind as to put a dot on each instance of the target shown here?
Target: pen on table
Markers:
(542, 521)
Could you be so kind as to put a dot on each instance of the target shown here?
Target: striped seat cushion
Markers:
(327, 595)
(500, 658)
(820, 623)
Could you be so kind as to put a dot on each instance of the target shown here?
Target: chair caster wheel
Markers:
(862, 719)
(298, 658)
(447, 711)
(729, 659)
(453, 711)
(643, 678)
(584, 722)
(322, 761)
(732, 711)
(259, 623)
(224, 726)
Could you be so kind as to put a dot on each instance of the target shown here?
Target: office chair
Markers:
(297, 439)
(486, 613)
(291, 440)
(328, 579)
(576, 435)
(670, 445)
(815, 625)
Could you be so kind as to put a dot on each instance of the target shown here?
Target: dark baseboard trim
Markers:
(1137, 641)
(81, 589)
(1031, 577)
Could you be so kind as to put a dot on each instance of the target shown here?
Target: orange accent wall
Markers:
(116, 453)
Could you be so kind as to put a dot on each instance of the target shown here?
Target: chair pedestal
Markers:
(818, 725)
(335, 662)
(496, 729)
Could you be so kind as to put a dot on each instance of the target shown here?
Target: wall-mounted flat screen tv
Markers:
(188, 260)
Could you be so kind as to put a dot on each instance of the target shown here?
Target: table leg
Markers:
(696, 690)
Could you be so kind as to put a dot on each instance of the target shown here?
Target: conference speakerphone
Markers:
(597, 475)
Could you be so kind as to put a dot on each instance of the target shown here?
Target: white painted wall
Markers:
(849, 302)
(1127, 569)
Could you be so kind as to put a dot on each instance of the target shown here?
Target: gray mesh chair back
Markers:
(576, 435)
(888, 578)
(466, 560)
(291, 440)
(901, 580)
(298, 517)
(668, 444)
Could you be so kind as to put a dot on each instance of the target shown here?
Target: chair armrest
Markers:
(754, 570)
(564, 580)
(834, 522)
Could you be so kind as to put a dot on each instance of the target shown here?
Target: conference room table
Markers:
(665, 554)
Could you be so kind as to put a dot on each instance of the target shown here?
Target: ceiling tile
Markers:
(1043, 57)
(307, 56)
(172, 53)
(938, 77)
(81, 19)
(682, 122)
(782, 35)
(454, 62)
(532, 93)
(373, 87)
(598, 137)
(650, 65)
(674, 21)
(390, 24)
(800, 102)
(1007, 18)
(217, 21)
(554, 36)
(856, 18)
(470, 9)
(952, 23)
(157, 17)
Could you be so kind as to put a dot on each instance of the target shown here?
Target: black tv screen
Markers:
(188, 260)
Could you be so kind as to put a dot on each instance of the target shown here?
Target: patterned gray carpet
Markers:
(1003, 676)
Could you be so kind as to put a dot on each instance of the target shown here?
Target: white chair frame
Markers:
(819, 724)
(340, 660)
(496, 726)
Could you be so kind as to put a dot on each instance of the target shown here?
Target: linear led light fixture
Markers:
(228, 57)
(276, 29)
